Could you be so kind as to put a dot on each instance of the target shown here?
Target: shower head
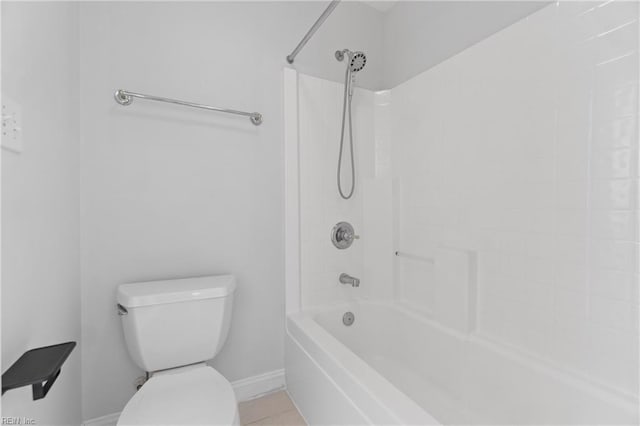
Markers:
(357, 60)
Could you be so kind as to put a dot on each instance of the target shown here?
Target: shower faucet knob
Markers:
(349, 236)
(342, 235)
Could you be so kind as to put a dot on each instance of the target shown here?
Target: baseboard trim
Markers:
(261, 384)
(245, 389)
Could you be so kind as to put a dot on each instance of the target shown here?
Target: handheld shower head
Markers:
(358, 61)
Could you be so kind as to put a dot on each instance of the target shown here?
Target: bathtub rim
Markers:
(581, 382)
(396, 405)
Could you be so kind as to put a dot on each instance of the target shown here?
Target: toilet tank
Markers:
(172, 323)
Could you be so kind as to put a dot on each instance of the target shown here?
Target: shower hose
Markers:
(346, 104)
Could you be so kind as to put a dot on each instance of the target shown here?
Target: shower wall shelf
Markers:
(38, 368)
(414, 256)
(125, 97)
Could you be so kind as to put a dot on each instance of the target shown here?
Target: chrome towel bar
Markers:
(124, 97)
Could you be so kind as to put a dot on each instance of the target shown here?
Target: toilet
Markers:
(171, 329)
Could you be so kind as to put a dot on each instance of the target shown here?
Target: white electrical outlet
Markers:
(11, 126)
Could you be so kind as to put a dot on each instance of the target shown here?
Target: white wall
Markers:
(420, 34)
(170, 192)
(524, 150)
(40, 203)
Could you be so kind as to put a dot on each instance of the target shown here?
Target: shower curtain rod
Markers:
(313, 29)
(124, 97)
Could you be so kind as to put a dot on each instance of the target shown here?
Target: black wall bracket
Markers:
(37, 367)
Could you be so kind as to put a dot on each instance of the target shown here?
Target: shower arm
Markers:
(312, 30)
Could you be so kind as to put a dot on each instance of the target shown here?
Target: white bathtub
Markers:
(394, 366)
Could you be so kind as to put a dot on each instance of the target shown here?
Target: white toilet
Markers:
(171, 328)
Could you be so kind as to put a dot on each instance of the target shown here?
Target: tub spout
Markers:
(348, 279)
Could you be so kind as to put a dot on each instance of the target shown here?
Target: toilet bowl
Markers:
(194, 395)
(171, 328)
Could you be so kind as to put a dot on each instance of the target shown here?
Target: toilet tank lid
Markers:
(176, 290)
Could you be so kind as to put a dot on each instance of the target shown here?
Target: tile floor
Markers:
(273, 409)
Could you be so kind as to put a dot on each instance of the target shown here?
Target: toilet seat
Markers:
(193, 395)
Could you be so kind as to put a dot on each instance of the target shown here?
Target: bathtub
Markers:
(396, 366)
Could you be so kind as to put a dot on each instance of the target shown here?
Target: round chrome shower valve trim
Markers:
(342, 235)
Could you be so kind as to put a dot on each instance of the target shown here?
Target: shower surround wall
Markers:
(524, 150)
(321, 206)
(509, 176)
